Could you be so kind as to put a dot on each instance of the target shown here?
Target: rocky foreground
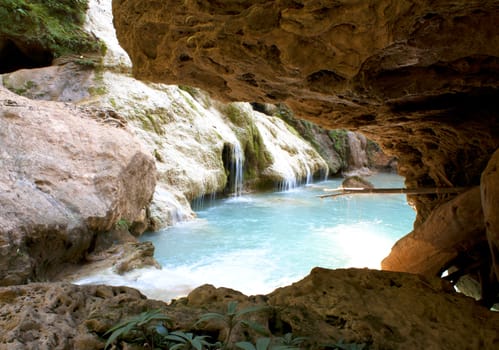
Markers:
(383, 310)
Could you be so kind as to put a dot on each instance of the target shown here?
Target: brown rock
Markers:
(64, 316)
(453, 231)
(418, 77)
(384, 310)
(490, 203)
(64, 178)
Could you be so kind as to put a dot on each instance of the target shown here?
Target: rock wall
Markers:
(66, 176)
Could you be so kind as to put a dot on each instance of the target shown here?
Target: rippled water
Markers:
(258, 242)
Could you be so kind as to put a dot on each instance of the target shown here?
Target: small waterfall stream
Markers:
(237, 168)
(234, 162)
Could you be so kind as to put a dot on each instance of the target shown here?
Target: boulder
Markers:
(65, 177)
(383, 310)
(453, 231)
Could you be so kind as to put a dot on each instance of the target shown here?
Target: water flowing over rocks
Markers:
(182, 127)
(419, 77)
(65, 178)
(383, 310)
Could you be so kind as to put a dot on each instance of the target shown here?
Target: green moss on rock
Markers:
(54, 26)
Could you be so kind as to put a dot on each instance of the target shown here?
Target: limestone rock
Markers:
(419, 77)
(384, 310)
(490, 203)
(453, 235)
(356, 182)
(64, 178)
(64, 316)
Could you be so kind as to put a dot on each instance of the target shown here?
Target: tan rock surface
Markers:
(384, 310)
(65, 177)
(453, 230)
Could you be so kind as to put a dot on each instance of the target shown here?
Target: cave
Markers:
(421, 81)
(14, 56)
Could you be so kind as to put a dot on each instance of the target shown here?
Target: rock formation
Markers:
(419, 77)
(66, 177)
(383, 310)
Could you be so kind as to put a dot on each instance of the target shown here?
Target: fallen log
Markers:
(341, 191)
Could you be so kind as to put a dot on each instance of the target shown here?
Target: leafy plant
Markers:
(233, 317)
(290, 341)
(122, 224)
(186, 341)
(138, 327)
(261, 344)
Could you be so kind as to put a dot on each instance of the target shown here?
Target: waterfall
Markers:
(233, 157)
(237, 168)
(308, 172)
(289, 181)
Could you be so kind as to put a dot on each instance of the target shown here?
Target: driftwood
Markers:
(341, 191)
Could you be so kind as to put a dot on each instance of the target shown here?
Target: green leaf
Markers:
(262, 343)
(245, 345)
(232, 307)
(257, 327)
(210, 316)
(250, 309)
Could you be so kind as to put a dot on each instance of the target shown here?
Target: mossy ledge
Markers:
(39, 31)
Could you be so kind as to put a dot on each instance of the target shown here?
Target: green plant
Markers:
(138, 328)
(233, 317)
(290, 341)
(261, 344)
(122, 224)
(179, 340)
(53, 26)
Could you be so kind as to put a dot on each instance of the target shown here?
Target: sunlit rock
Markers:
(66, 175)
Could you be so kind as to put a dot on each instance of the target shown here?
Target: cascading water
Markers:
(237, 168)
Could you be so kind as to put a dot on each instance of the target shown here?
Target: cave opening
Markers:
(14, 56)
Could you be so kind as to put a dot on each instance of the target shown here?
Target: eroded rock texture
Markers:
(420, 77)
(65, 178)
(382, 310)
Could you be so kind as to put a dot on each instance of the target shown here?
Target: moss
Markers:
(23, 90)
(97, 90)
(235, 115)
(49, 25)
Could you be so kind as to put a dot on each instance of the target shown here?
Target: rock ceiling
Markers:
(420, 77)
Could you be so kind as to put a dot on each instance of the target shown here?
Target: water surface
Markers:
(258, 242)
